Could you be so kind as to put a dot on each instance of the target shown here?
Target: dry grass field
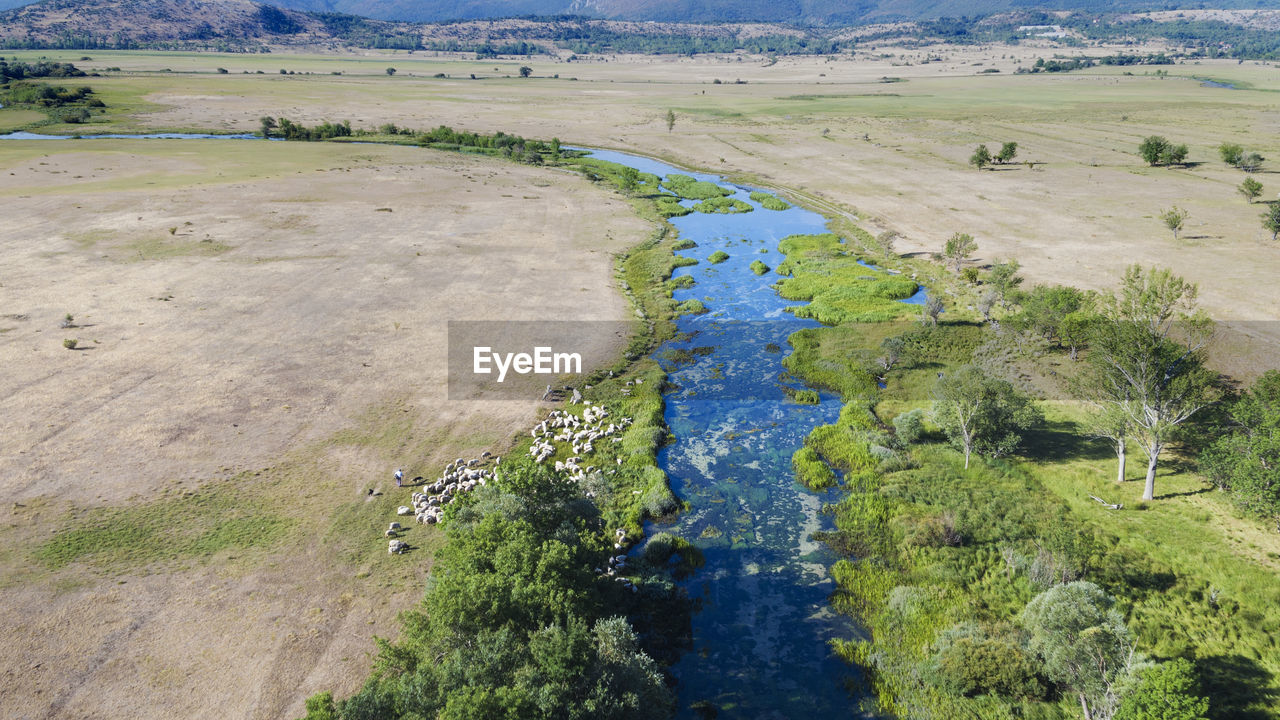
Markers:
(833, 132)
(261, 326)
(261, 340)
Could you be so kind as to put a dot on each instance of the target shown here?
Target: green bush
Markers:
(909, 426)
(722, 205)
(692, 306)
(70, 343)
(718, 257)
(969, 663)
(769, 202)
(806, 397)
(759, 268)
(690, 189)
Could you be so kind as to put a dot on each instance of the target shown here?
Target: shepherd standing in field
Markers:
(399, 477)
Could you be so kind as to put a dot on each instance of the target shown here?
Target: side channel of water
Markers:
(760, 635)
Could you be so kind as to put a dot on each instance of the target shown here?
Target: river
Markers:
(761, 629)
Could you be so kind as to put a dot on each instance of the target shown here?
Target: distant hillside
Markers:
(817, 12)
(124, 23)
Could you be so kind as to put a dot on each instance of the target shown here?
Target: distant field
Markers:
(830, 131)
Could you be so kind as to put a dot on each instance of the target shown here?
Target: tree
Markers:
(268, 124)
(671, 119)
(884, 243)
(525, 71)
(1046, 308)
(1152, 149)
(1004, 279)
(629, 179)
(1083, 642)
(1164, 692)
(391, 71)
(980, 157)
(555, 148)
(1173, 154)
(1271, 220)
(1231, 153)
(931, 310)
(958, 249)
(1008, 152)
(1147, 353)
(980, 413)
(1245, 459)
(1251, 189)
(1251, 163)
(1173, 218)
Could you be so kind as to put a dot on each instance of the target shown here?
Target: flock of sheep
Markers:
(459, 476)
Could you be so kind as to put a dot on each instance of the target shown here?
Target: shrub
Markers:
(718, 256)
(691, 307)
(70, 343)
(969, 663)
(759, 268)
(909, 426)
(806, 397)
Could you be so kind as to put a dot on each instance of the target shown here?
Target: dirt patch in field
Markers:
(272, 317)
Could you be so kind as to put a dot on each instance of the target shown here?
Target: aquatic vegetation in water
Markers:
(691, 189)
(759, 268)
(839, 289)
(770, 202)
(723, 205)
(718, 257)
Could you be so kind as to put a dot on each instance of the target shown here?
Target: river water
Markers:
(760, 634)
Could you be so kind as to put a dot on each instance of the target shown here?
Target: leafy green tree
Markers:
(1173, 154)
(268, 124)
(958, 249)
(1004, 279)
(1271, 220)
(1075, 328)
(525, 71)
(1164, 692)
(321, 707)
(555, 148)
(1046, 308)
(391, 71)
(629, 180)
(1147, 356)
(980, 413)
(1008, 152)
(1174, 218)
(671, 119)
(968, 661)
(1230, 153)
(981, 157)
(1251, 189)
(1152, 149)
(1245, 459)
(1083, 642)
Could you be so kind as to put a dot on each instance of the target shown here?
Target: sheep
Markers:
(396, 547)
(394, 526)
(404, 510)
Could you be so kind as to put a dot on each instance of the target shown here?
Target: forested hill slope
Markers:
(813, 12)
(121, 23)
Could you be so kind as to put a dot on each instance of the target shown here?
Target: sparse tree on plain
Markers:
(1271, 220)
(525, 71)
(1174, 155)
(391, 71)
(1251, 189)
(884, 243)
(268, 124)
(1251, 163)
(1008, 152)
(1152, 149)
(671, 119)
(1174, 218)
(629, 180)
(980, 157)
(958, 249)
(1231, 154)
